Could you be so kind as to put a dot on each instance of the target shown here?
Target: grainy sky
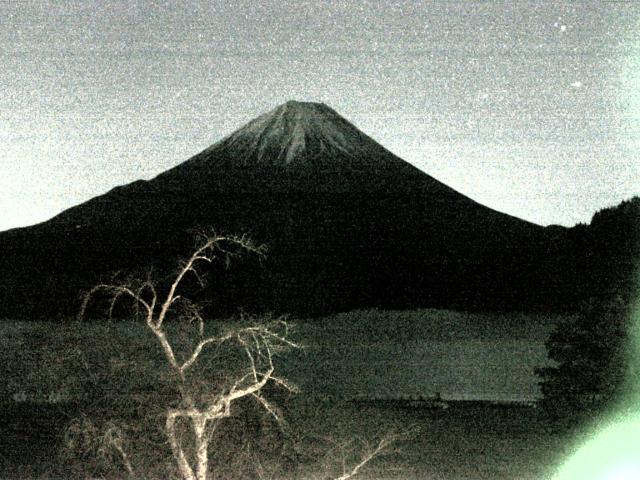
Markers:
(530, 107)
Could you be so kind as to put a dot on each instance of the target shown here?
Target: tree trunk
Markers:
(202, 448)
(183, 464)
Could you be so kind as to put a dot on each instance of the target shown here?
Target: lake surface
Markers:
(383, 354)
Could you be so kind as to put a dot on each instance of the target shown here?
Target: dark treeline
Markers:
(322, 265)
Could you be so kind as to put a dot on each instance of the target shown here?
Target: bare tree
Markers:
(200, 405)
(259, 344)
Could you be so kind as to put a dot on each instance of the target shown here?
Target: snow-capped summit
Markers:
(298, 133)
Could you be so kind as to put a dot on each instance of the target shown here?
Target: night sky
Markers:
(531, 108)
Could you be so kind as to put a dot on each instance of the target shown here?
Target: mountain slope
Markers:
(348, 225)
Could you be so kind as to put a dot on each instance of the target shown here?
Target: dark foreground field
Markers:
(463, 442)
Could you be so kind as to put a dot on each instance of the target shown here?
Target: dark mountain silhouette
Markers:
(348, 225)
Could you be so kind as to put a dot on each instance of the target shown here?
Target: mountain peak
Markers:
(297, 132)
(303, 114)
(303, 106)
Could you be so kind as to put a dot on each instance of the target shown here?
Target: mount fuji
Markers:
(348, 224)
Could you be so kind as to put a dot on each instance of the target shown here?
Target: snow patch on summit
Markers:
(295, 130)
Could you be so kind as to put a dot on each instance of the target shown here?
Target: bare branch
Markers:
(114, 299)
(114, 438)
(197, 275)
(196, 352)
(286, 384)
(272, 338)
(268, 407)
(167, 349)
(116, 291)
(205, 253)
(236, 393)
(369, 454)
(247, 351)
(149, 286)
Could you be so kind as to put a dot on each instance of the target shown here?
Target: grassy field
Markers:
(373, 354)
(471, 442)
